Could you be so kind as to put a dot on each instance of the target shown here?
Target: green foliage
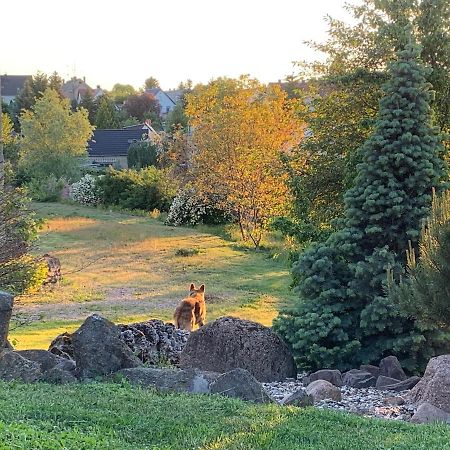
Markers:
(342, 317)
(176, 119)
(46, 189)
(120, 92)
(142, 154)
(151, 83)
(54, 138)
(144, 189)
(106, 117)
(425, 292)
(90, 105)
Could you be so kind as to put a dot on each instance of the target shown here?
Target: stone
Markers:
(6, 305)
(427, 413)
(374, 370)
(358, 379)
(322, 390)
(333, 376)
(434, 387)
(298, 398)
(173, 380)
(62, 346)
(16, 367)
(67, 365)
(230, 343)
(99, 350)
(394, 401)
(240, 383)
(383, 381)
(404, 385)
(390, 367)
(59, 376)
(44, 358)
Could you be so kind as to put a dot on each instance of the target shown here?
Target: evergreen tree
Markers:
(90, 105)
(106, 117)
(342, 317)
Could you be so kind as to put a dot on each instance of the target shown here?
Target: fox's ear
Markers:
(202, 288)
(192, 288)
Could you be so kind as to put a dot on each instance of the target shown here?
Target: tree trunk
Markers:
(6, 305)
(2, 156)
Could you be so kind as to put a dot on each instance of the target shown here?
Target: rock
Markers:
(374, 370)
(67, 365)
(383, 381)
(427, 413)
(322, 389)
(240, 383)
(434, 387)
(404, 385)
(229, 343)
(174, 380)
(16, 367)
(394, 401)
(44, 358)
(58, 376)
(390, 367)
(299, 398)
(358, 379)
(6, 305)
(333, 376)
(54, 268)
(155, 342)
(62, 346)
(99, 350)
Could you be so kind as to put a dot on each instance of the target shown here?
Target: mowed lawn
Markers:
(126, 267)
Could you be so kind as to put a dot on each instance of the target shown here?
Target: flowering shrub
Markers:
(86, 191)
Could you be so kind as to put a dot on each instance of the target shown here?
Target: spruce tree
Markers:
(106, 116)
(342, 317)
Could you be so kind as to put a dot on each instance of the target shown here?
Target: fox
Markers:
(192, 310)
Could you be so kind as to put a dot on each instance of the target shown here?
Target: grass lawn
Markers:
(108, 416)
(126, 267)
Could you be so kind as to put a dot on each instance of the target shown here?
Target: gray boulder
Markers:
(323, 390)
(99, 350)
(394, 401)
(359, 379)
(427, 413)
(239, 383)
(390, 367)
(434, 387)
(67, 365)
(59, 376)
(373, 370)
(6, 305)
(299, 398)
(333, 376)
(44, 358)
(404, 385)
(62, 346)
(383, 381)
(229, 343)
(173, 380)
(16, 367)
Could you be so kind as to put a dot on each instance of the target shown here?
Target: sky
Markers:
(113, 41)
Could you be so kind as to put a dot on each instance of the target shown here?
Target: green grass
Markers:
(133, 267)
(108, 416)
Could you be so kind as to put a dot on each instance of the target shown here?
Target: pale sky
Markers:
(127, 41)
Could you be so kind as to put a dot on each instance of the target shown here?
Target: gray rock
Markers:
(44, 358)
(62, 346)
(333, 376)
(383, 381)
(239, 383)
(99, 350)
(16, 367)
(390, 367)
(394, 401)
(230, 343)
(427, 413)
(58, 376)
(434, 387)
(404, 385)
(6, 305)
(67, 365)
(298, 398)
(374, 370)
(322, 389)
(173, 380)
(359, 379)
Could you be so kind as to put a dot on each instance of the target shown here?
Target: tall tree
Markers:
(151, 83)
(33, 89)
(120, 92)
(90, 105)
(141, 105)
(342, 317)
(106, 116)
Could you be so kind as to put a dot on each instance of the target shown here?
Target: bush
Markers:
(146, 189)
(46, 189)
(142, 154)
(86, 191)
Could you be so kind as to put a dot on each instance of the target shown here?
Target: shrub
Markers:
(46, 189)
(144, 189)
(86, 191)
(142, 154)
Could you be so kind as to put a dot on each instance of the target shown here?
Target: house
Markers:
(11, 85)
(76, 88)
(167, 99)
(110, 147)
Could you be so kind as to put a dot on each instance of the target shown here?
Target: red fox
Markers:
(192, 310)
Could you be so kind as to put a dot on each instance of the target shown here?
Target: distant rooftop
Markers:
(12, 84)
(114, 142)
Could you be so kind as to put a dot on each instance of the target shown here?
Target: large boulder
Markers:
(99, 350)
(383, 381)
(323, 390)
(298, 398)
(374, 370)
(333, 376)
(44, 358)
(427, 413)
(399, 386)
(239, 383)
(358, 379)
(390, 367)
(6, 305)
(434, 387)
(16, 367)
(231, 343)
(173, 380)
(62, 346)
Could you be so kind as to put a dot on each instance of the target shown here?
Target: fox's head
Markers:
(193, 292)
